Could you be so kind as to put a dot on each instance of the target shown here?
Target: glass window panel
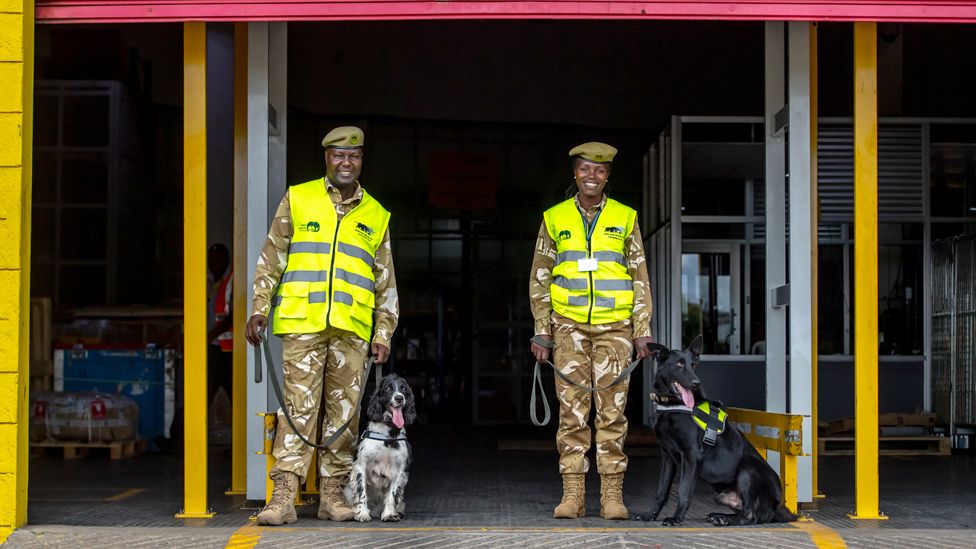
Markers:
(831, 302)
(83, 234)
(757, 305)
(45, 120)
(713, 231)
(42, 234)
(411, 255)
(86, 121)
(900, 300)
(44, 179)
(446, 255)
(84, 178)
(42, 279)
(82, 285)
(706, 300)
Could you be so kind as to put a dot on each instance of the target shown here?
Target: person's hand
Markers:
(541, 353)
(255, 329)
(641, 343)
(380, 352)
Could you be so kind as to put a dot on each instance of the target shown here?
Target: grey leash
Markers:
(273, 379)
(537, 382)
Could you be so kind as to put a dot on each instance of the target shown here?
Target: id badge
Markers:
(586, 264)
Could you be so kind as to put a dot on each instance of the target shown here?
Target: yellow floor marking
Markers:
(497, 529)
(62, 500)
(244, 537)
(126, 494)
(822, 536)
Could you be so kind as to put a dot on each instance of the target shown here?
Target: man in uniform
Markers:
(327, 269)
(591, 299)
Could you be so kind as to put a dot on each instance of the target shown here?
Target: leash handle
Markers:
(276, 386)
(533, 412)
(537, 383)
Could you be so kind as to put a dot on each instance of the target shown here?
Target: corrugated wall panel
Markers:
(900, 177)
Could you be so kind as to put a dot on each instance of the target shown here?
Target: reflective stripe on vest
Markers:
(326, 257)
(594, 297)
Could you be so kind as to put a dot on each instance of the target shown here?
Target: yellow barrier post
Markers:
(866, 272)
(270, 423)
(238, 476)
(195, 272)
(781, 433)
(16, 128)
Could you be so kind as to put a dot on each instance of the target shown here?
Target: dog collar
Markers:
(376, 436)
(682, 409)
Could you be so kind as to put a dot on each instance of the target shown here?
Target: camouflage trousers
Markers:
(591, 354)
(335, 358)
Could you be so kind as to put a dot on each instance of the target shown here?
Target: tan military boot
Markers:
(573, 504)
(332, 502)
(612, 497)
(281, 509)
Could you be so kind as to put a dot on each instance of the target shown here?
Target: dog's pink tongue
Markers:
(686, 396)
(398, 417)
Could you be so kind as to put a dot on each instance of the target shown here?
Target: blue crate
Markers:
(144, 375)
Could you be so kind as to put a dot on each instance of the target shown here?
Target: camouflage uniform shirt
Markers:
(274, 258)
(541, 277)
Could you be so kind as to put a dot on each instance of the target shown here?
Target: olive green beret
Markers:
(594, 151)
(344, 137)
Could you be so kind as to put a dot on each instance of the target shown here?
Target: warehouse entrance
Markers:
(465, 165)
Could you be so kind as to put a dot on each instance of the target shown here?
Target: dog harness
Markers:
(709, 417)
(376, 436)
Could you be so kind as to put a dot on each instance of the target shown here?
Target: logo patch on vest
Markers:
(614, 232)
(564, 235)
(311, 227)
(365, 230)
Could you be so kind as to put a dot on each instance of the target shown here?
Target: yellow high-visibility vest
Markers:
(329, 277)
(595, 297)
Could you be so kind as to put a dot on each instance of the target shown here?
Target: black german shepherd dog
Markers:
(740, 476)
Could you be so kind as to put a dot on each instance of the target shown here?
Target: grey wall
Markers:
(743, 385)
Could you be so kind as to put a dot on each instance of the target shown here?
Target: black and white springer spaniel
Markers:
(379, 474)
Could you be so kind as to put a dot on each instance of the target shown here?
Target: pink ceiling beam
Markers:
(121, 11)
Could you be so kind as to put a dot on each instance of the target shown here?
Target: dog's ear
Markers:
(696, 346)
(409, 407)
(376, 405)
(658, 351)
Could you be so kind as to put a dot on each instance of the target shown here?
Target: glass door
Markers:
(710, 296)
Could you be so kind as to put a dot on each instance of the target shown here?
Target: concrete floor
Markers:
(464, 492)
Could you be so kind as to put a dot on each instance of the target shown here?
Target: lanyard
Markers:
(590, 227)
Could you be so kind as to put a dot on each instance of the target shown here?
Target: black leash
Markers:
(537, 382)
(276, 385)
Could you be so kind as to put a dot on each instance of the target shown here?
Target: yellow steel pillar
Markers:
(866, 272)
(195, 271)
(814, 275)
(238, 477)
(16, 102)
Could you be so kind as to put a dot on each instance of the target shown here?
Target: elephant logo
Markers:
(311, 226)
(365, 230)
(564, 235)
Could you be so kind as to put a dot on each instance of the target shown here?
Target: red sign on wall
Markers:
(462, 182)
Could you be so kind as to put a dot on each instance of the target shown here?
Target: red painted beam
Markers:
(119, 11)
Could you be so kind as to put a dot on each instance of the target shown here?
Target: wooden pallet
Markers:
(846, 424)
(888, 446)
(75, 450)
